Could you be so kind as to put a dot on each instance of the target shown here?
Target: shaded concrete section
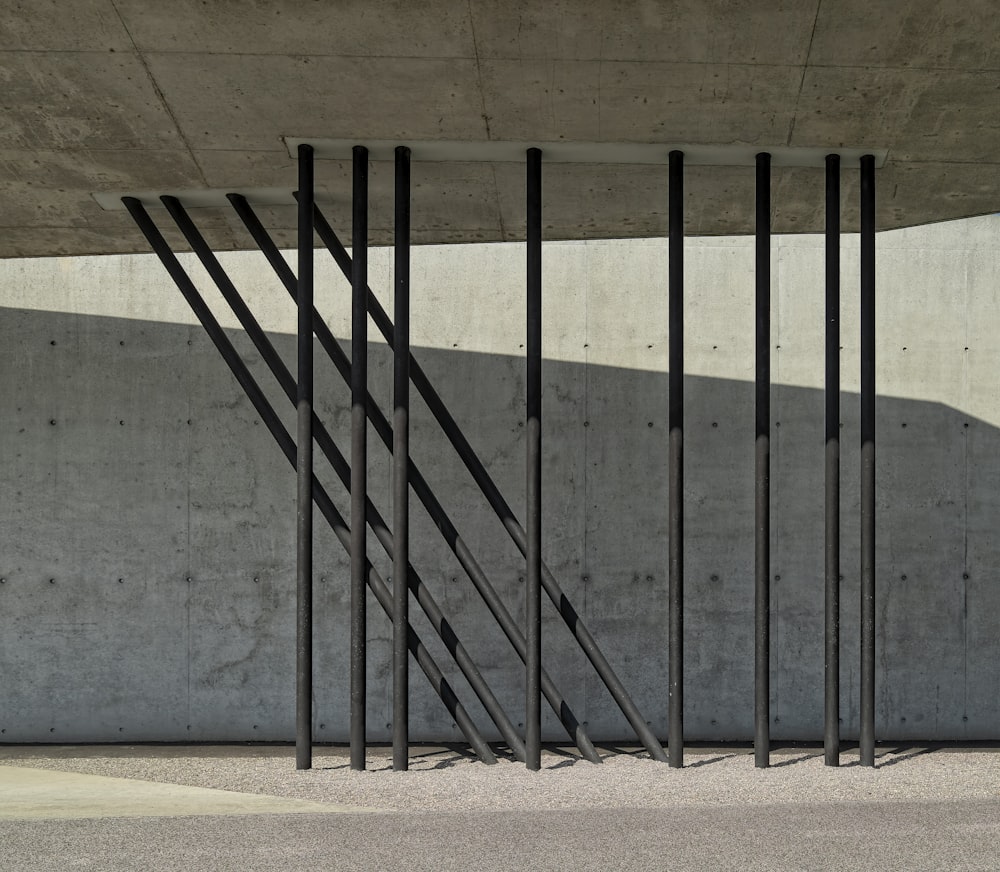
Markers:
(38, 794)
(111, 96)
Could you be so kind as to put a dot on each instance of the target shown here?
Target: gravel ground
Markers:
(442, 779)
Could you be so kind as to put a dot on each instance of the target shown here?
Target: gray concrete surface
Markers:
(903, 836)
(147, 533)
(921, 809)
(127, 95)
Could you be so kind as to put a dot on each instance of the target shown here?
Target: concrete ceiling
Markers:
(134, 95)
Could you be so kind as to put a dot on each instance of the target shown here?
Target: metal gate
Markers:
(352, 531)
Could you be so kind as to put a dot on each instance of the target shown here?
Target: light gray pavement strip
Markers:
(41, 794)
(831, 836)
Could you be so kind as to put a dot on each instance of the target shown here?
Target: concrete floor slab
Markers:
(39, 794)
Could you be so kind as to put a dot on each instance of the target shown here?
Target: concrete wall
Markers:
(147, 520)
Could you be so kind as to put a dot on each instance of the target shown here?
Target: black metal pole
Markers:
(280, 434)
(762, 472)
(359, 458)
(675, 454)
(303, 468)
(533, 575)
(831, 706)
(400, 469)
(422, 593)
(867, 731)
(571, 618)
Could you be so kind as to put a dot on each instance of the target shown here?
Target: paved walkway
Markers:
(246, 808)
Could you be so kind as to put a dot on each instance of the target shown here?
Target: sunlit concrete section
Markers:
(44, 794)
(103, 97)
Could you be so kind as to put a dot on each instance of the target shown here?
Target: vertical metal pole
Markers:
(831, 708)
(762, 472)
(498, 503)
(675, 461)
(400, 469)
(533, 574)
(359, 456)
(303, 469)
(867, 730)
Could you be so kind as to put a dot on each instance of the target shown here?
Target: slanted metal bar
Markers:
(303, 469)
(287, 446)
(336, 459)
(359, 459)
(867, 731)
(762, 472)
(533, 574)
(506, 515)
(831, 702)
(400, 470)
(420, 487)
(675, 461)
